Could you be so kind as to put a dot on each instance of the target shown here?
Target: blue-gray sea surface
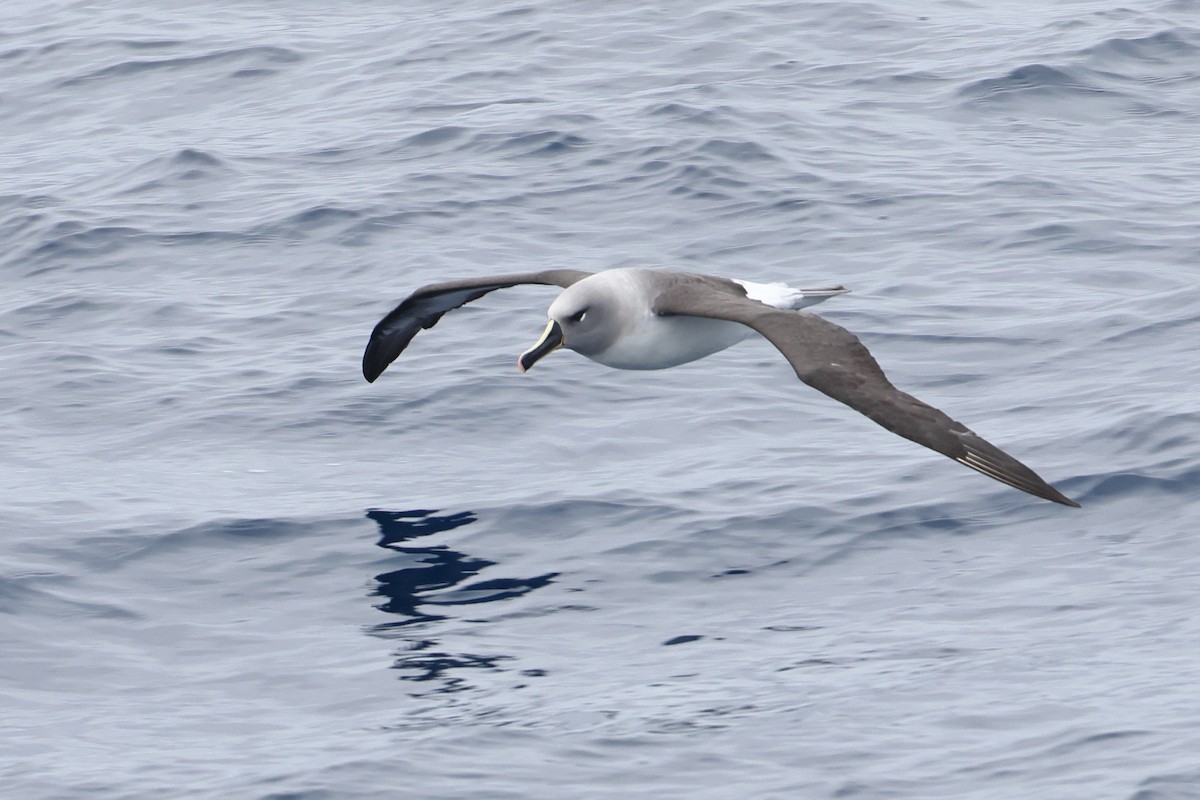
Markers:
(229, 567)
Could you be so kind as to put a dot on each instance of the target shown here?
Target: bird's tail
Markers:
(810, 297)
(780, 295)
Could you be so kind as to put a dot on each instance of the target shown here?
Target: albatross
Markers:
(632, 318)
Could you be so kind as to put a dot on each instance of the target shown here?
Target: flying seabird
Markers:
(653, 319)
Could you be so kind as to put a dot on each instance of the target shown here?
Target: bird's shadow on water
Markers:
(425, 593)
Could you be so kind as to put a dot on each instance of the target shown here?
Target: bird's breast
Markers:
(661, 342)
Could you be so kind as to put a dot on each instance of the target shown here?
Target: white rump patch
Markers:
(780, 295)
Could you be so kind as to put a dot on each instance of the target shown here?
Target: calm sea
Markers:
(230, 568)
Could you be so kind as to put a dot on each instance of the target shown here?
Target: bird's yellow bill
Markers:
(551, 340)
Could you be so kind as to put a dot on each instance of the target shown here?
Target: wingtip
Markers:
(1047, 492)
(988, 459)
(382, 348)
(371, 366)
(1062, 498)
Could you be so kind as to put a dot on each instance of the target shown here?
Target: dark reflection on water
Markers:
(438, 577)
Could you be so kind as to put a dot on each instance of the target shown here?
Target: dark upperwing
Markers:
(832, 360)
(424, 307)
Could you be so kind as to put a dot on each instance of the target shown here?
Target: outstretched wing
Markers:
(832, 360)
(424, 307)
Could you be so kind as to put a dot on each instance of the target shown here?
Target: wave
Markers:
(262, 60)
(1037, 80)
(1171, 46)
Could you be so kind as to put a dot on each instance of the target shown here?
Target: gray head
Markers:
(587, 317)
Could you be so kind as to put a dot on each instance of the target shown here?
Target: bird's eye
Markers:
(577, 316)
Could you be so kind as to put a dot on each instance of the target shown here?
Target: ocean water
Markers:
(231, 568)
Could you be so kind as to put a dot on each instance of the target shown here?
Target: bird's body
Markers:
(655, 319)
(661, 342)
(648, 340)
